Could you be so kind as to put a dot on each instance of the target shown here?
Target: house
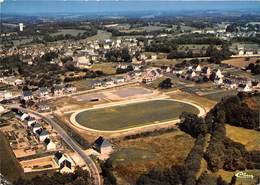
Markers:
(11, 80)
(66, 167)
(206, 71)
(142, 56)
(41, 134)
(119, 79)
(27, 95)
(249, 53)
(102, 146)
(219, 74)
(97, 83)
(69, 88)
(57, 90)
(154, 57)
(5, 95)
(23, 116)
(59, 158)
(64, 162)
(43, 107)
(43, 92)
(83, 62)
(30, 120)
(241, 52)
(218, 81)
(35, 126)
(166, 69)
(106, 46)
(244, 88)
(191, 74)
(151, 75)
(198, 68)
(109, 82)
(49, 145)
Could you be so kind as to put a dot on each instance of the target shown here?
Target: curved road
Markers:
(75, 147)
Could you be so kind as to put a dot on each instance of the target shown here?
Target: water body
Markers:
(124, 8)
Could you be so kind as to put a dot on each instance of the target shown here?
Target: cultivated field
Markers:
(132, 115)
(240, 62)
(249, 138)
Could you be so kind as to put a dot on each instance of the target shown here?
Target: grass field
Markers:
(101, 35)
(9, 166)
(133, 115)
(249, 138)
(138, 156)
(73, 32)
(219, 95)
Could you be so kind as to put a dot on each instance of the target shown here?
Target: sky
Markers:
(30, 7)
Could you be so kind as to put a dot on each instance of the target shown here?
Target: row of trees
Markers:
(254, 68)
(53, 38)
(168, 45)
(79, 177)
(221, 153)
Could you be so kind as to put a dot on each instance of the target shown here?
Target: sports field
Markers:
(132, 115)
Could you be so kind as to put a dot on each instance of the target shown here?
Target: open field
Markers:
(240, 62)
(206, 103)
(9, 166)
(132, 115)
(101, 35)
(73, 32)
(249, 138)
(138, 156)
(107, 68)
(218, 95)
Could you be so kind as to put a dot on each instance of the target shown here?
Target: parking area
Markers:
(114, 94)
(131, 91)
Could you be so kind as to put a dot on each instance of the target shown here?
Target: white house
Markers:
(244, 88)
(23, 116)
(5, 95)
(69, 88)
(41, 134)
(219, 74)
(30, 120)
(64, 162)
(218, 81)
(49, 144)
(57, 90)
(35, 126)
(154, 57)
(103, 146)
(43, 92)
(27, 95)
(83, 62)
(198, 68)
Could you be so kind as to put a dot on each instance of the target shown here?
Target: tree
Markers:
(166, 84)
(126, 57)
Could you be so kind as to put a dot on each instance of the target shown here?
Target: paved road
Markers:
(91, 164)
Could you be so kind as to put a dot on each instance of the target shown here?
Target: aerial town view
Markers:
(129, 92)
